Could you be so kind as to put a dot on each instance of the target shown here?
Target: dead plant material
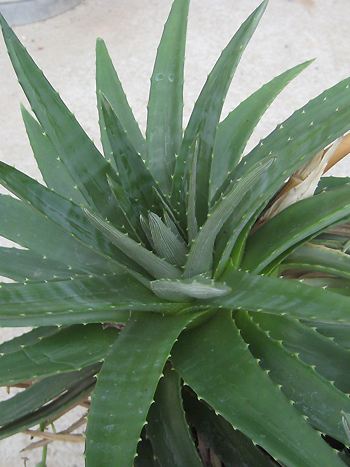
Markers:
(50, 437)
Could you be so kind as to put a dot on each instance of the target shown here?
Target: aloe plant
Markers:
(194, 300)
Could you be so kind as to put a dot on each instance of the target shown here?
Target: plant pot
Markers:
(26, 11)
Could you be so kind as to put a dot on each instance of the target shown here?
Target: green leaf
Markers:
(234, 132)
(292, 144)
(331, 283)
(200, 257)
(312, 394)
(319, 258)
(164, 119)
(63, 212)
(38, 394)
(206, 115)
(328, 358)
(151, 263)
(346, 425)
(198, 287)
(244, 395)
(134, 176)
(67, 350)
(295, 224)
(337, 332)
(136, 361)
(167, 427)
(107, 82)
(230, 445)
(77, 152)
(282, 297)
(145, 456)
(24, 265)
(192, 224)
(128, 212)
(21, 224)
(166, 243)
(28, 338)
(50, 412)
(81, 300)
(329, 183)
(52, 169)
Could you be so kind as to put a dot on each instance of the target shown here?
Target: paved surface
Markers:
(290, 32)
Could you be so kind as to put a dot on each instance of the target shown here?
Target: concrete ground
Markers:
(290, 32)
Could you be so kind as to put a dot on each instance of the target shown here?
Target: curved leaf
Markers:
(167, 427)
(269, 420)
(26, 402)
(293, 144)
(234, 132)
(50, 412)
(70, 349)
(311, 393)
(230, 445)
(200, 257)
(318, 258)
(136, 360)
(293, 225)
(328, 358)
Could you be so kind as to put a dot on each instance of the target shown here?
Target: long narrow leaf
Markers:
(167, 427)
(319, 258)
(24, 265)
(50, 412)
(28, 338)
(206, 114)
(200, 257)
(293, 143)
(52, 169)
(282, 297)
(81, 158)
(134, 176)
(108, 83)
(312, 394)
(136, 360)
(63, 212)
(21, 223)
(234, 132)
(34, 397)
(86, 300)
(304, 219)
(153, 264)
(231, 446)
(310, 346)
(164, 120)
(244, 395)
(68, 350)
(166, 243)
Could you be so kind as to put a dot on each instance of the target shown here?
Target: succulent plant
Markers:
(200, 298)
